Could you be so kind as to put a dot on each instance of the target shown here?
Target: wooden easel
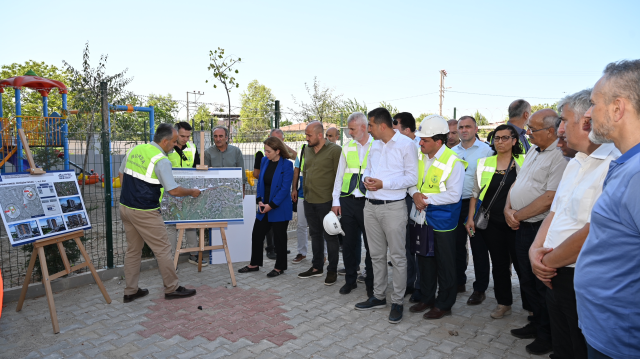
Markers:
(38, 251)
(202, 226)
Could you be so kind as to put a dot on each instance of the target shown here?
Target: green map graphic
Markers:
(220, 199)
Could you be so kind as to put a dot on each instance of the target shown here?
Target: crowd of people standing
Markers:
(555, 195)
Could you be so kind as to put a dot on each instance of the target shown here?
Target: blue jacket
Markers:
(280, 190)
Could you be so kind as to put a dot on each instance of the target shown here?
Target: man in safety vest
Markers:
(185, 155)
(348, 201)
(439, 193)
(144, 172)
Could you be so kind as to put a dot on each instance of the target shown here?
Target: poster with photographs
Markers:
(37, 207)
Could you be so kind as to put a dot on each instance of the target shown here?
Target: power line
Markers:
(404, 98)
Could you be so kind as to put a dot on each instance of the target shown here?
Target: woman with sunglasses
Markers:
(275, 207)
(493, 178)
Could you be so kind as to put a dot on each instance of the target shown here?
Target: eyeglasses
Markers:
(502, 138)
(532, 130)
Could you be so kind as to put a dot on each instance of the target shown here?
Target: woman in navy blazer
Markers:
(274, 206)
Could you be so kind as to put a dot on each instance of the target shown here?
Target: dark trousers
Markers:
(315, 213)
(568, 341)
(269, 238)
(260, 229)
(479, 251)
(533, 289)
(413, 275)
(439, 271)
(500, 239)
(595, 354)
(352, 222)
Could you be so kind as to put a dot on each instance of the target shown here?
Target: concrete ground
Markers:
(282, 317)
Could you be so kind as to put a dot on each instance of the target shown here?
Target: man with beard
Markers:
(607, 280)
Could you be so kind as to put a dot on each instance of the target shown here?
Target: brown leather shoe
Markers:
(420, 307)
(462, 288)
(476, 298)
(436, 313)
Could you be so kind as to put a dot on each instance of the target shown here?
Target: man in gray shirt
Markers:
(519, 112)
(223, 154)
(527, 205)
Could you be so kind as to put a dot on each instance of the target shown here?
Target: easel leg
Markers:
(93, 270)
(47, 288)
(27, 279)
(175, 258)
(226, 252)
(201, 249)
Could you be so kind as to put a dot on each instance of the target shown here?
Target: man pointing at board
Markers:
(144, 172)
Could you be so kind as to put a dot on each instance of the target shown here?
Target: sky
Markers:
(493, 51)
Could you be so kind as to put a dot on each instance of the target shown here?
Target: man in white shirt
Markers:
(349, 200)
(470, 150)
(554, 252)
(438, 192)
(405, 123)
(391, 169)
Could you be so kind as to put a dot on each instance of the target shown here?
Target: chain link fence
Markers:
(85, 155)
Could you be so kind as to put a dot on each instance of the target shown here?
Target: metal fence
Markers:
(85, 152)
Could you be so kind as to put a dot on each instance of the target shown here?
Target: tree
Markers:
(480, 119)
(350, 106)
(392, 110)
(31, 100)
(541, 106)
(203, 115)
(223, 66)
(421, 117)
(324, 106)
(284, 123)
(257, 107)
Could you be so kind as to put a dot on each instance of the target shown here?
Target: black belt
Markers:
(362, 198)
(379, 201)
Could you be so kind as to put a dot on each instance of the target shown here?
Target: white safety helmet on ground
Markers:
(332, 224)
(432, 125)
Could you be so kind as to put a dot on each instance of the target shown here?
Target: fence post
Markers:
(277, 112)
(454, 113)
(341, 123)
(106, 164)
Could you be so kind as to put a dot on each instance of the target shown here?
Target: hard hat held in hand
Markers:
(432, 125)
(332, 224)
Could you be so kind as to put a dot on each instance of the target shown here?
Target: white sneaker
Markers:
(501, 311)
(194, 260)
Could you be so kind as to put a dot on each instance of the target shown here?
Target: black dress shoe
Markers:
(274, 273)
(476, 298)
(539, 347)
(527, 332)
(139, 294)
(247, 269)
(347, 288)
(181, 292)
(271, 255)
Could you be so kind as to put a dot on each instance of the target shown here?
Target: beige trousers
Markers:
(146, 227)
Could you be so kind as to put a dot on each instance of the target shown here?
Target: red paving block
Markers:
(230, 313)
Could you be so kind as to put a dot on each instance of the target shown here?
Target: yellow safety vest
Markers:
(352, 174)
(189, 152)
(486, 169)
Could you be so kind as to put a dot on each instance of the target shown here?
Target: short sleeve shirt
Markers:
(163, 170)
(541, 172)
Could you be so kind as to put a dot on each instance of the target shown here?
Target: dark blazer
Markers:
(280, 190)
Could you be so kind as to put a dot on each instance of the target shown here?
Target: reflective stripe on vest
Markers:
(189, 152)
(438, 173)
(486, 169)
(136, 159)
(354, 167)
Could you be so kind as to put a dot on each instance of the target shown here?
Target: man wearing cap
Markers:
(185, 155)
(438, 192)
(145, 171)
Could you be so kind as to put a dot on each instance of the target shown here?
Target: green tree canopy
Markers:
(257, 103)
(480, 119)
(541, 106)
(323, 105)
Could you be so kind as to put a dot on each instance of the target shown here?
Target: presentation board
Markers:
(220, 199)
(35, 207)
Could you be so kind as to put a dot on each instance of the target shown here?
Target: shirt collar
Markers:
(603, 151)
(396, 136)
(521, 131)
(627, 155)
(158, 147)
(439, 153)
(551, 147)
(476, 143)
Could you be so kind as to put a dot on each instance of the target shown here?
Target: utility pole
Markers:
(195, 97)
(277, 114)
(443, 74)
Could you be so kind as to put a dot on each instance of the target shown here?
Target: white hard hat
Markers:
(332, 224)
(432, 125)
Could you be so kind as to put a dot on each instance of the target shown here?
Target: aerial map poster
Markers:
(220, 199)
(34, 207)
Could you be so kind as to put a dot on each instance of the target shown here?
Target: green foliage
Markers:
(284, 123)
(203, 118)
(480, 119)
(542, 106)
(46, 158)
(222, 66)
(323, 105)
(257, 104)
(392, 110)
(350, 106)
(135, 126)
(421, 117)
(31, 100)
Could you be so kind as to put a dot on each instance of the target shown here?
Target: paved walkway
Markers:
(282, 317)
